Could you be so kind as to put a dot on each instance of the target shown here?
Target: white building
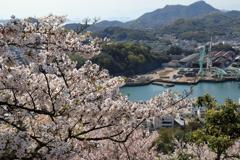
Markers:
(167, 122)
(183, 117)
(186, 112)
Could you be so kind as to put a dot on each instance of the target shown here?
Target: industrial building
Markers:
(236, 62)
(187, 61)
(219, 59)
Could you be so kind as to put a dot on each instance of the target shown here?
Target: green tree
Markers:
(142, 58)
(164, 142)
(134, 60)
(123, 57)
(222, 47)
(221, 128)
(174, 50)
(206, 101)
(192, 126)
(107, 62)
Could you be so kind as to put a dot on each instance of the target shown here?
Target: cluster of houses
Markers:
(182, 118)
(179, 120)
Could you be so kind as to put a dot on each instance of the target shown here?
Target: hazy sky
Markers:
(105, 9)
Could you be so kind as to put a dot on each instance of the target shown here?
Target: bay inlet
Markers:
(219, 90)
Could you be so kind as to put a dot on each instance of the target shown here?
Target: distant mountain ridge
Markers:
(98, 26)
(110, 23)
(202, 29)
(198, 21)
(161, 17)
(6, 20)
(170, 13)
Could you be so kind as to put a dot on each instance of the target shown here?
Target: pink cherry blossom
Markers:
(51, 110)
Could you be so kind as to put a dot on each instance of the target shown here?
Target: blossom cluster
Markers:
(49, 109)
(201, 151)
(137, 147)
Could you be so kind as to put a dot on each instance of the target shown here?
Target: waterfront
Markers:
(219, 90)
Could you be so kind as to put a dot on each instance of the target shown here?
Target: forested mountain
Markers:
(198, 21)
(124, 58)
(170, 13)
(201, 29)
(101, 25)
(96, 27)
(72, 26)
(233, 13)
(160, 17)
(120, 34)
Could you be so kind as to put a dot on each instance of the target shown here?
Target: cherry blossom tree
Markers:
(137, 147)
(51, 110)
(201, 151)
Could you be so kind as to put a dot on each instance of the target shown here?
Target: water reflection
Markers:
(219, 90)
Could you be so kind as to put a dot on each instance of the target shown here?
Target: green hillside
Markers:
(120, 34)
(123, 57)
(201, 29)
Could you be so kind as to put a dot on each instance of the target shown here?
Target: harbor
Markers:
(199, 67)
(220, 90)
(217, 73)
(174, 76)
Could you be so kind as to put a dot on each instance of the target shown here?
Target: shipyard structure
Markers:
(212, 67)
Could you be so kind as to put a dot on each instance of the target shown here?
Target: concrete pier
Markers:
(164, 84)
(170, 76)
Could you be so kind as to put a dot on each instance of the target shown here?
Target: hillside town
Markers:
(193, 45)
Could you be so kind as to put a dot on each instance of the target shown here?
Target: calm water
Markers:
(219, 90)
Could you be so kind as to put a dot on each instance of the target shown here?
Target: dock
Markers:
(164, 84)
(171, 77)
